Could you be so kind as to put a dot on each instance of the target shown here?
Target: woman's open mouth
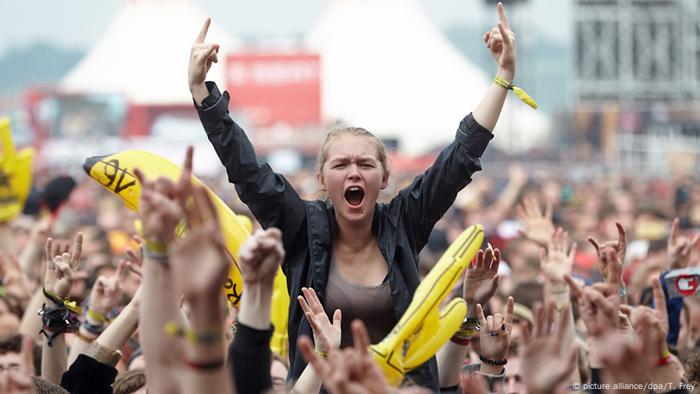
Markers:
(354, 195)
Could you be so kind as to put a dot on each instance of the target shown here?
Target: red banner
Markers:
(275, 88)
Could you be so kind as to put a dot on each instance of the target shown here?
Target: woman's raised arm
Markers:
(269, 196)
(500, 40)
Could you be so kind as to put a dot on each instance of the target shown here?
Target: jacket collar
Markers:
(323, 228)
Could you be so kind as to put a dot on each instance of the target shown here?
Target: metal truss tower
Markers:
(637, 70)
(637, 49)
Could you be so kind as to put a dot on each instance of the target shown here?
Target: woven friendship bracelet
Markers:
(488, 361)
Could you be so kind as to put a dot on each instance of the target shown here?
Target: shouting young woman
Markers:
(358, 255)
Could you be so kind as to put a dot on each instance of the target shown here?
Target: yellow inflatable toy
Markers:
(15, 174)
(280, 315)
(424, 328)
(115, 172)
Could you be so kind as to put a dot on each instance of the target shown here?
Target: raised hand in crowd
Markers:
(680, 247)
(100, 355)
(659, 311)
(60, 265)
(160, 210)
(107, 291)
(494, 338)
(200, 266)
(326, 334)
(599, 305)
(350, 370)
(134, 260)
(14, 280)
(619, 246)
(261, 257)
(160, 205)
(500, 41)
(57, 315)
(644, 360)
(327, 337)
(250, 357)
(481, 279)
(480, 284)
(557, 260)
(199, 260)
(105, 295)
(538, 225)
(651, 325)
(548, 357)
(557, 263)
(626, 361)
(31, 324)
(610, 265)
(202, 56)
(31, 254)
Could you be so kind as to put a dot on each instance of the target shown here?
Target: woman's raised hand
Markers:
(500, 41)
(202, 56)
(547, 358)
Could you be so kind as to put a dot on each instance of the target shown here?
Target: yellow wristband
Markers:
(202, 338)
(522, 95)
(96, 316)
(70, 305)
(155, 246)
(666, 352)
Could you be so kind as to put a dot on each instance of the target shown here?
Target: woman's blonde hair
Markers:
(356, 131)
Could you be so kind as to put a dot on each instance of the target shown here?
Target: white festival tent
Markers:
(387, 68)
(143, 57)
(144, 53)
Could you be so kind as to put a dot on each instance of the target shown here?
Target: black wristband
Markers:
(55, 299)
(50, 336)
(488, 361)
(57, 320)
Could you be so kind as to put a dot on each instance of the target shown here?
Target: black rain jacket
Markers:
(401, 226)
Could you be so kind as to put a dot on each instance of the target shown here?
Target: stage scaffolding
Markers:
(638, 62)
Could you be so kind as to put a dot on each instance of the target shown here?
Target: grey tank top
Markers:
(371, 304)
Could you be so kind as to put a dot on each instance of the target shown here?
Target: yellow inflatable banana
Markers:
(423, 328)
(15, 174)
(115, 172)
(279, 315)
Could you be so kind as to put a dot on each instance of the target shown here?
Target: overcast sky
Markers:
(80, 23)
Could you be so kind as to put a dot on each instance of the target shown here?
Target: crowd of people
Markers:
(568, 294)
